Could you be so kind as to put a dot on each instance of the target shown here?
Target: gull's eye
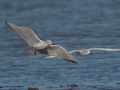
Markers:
(48, 41)
(86, 51)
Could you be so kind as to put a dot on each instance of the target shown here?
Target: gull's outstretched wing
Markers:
(106, 49)
(74, 51)
(60, 52)
(27, 34)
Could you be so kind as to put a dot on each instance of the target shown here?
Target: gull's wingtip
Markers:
(9, 24)
(74, 62)
(6, 22)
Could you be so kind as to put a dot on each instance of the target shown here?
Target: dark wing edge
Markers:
(60, 52)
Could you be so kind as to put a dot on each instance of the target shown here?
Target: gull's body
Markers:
(44, 47)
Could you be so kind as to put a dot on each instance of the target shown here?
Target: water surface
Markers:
(73, 24)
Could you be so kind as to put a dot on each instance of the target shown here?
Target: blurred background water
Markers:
(73, 24)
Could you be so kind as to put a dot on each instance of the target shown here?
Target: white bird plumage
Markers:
(44, 47)
(84, 52)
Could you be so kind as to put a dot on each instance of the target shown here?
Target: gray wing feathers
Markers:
(27, 34)
(60, 52)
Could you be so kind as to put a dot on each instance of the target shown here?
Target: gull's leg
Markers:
(34, 53)
(30, 51)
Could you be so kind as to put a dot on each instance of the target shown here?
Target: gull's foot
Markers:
(34, 53)
(30, 51)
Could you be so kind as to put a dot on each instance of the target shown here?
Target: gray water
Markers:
(73, 24)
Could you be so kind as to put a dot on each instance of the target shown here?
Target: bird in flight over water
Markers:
(44, 47)
(85, 52)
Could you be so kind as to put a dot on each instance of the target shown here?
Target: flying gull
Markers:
(44, 47)
(84, 52)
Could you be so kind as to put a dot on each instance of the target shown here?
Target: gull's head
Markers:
(87, 52)
(49, 42)
(84, 52)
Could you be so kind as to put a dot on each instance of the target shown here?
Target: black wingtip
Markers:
(74, 62)
(7, 23)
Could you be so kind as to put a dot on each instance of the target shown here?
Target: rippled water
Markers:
(73, 24)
